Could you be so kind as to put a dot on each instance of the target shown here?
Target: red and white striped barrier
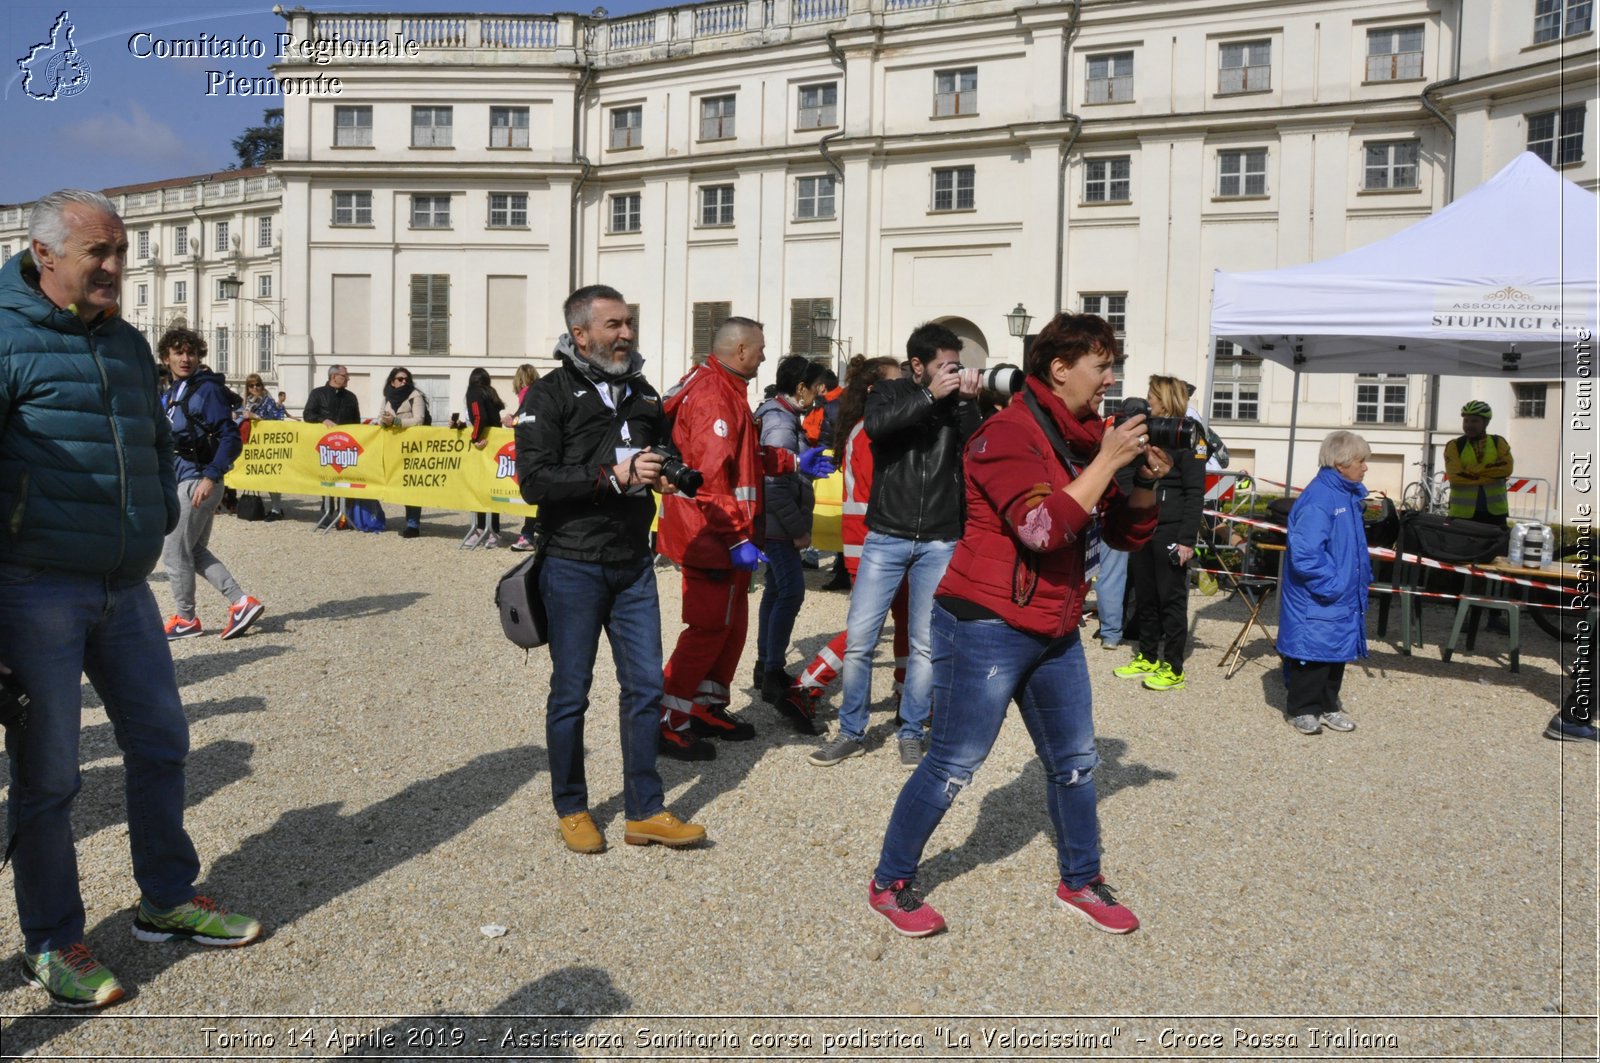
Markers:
(1426, 562)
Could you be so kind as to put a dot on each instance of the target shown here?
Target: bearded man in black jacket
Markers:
(582, 439)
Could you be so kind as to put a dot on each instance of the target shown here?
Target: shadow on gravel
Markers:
(547, 1017)
(309, 857)
(1014, 814)
(102, 802)
(342, 609)
(99, 741)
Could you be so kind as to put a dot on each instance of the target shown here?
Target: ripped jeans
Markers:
(979, 668)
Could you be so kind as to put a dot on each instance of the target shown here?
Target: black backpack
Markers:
(196, 443)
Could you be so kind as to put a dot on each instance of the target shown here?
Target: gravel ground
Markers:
(368, 776)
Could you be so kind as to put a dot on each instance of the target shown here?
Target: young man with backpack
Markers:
(206, 442)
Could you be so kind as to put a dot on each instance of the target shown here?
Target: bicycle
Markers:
(1427, 496)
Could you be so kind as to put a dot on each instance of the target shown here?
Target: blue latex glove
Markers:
(816, 463)
(746, 555)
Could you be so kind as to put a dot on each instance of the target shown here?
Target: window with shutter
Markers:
(708, 317)
(430, 313)
(803, 338)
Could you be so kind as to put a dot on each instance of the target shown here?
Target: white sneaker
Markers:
(1306, 725)
(1338, 721)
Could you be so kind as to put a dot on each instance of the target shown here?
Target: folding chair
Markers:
(1254, 590)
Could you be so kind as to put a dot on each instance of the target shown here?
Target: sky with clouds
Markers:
(145, 119)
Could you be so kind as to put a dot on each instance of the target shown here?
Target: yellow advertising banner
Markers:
(437, 468)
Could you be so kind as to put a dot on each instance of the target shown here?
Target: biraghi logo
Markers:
(55, 69)
(338, 451)
(505, 462)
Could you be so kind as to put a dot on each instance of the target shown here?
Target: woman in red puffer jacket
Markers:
(1039, 482)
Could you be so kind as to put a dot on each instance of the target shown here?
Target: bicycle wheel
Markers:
(1411, 497)
(1562, 624)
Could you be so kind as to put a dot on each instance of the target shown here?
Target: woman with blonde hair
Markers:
(525, 375)
(260, 406)
(1160, 568)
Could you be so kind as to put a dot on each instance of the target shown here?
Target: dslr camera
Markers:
(1168, 433)
(675, 472)
(14, 703)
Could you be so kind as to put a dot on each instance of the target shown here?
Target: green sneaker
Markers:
(1164, 678)
(1134, 669)
(72, 977)
(203, 921)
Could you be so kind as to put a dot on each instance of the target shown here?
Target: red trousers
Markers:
(716, 612)
(825, 666)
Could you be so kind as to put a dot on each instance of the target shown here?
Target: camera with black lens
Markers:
(675, 472)
(14, 703)
(1168, 433)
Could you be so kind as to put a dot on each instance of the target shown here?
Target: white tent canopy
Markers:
(1508, 266)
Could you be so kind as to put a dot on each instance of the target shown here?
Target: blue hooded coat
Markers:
(1323, 613)
(86, 466)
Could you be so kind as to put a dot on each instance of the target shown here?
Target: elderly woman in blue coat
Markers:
(1323, 619)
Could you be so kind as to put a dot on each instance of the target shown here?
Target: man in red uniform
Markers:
(716, 535)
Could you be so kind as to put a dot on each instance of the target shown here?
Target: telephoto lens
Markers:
(1002, 379)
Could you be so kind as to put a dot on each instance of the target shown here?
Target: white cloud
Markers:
(134, 137)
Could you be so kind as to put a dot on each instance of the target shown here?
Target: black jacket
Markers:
(329, 403)
(1181, 495)
(567, 438)
(917, 491)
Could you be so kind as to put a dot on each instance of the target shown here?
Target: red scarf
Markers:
(1083, 435)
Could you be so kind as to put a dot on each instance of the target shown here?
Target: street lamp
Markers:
(822, 324)
(1018, 321)
(231, 287)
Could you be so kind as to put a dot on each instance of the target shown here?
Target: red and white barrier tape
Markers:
(1474, 599)
(1391, 555)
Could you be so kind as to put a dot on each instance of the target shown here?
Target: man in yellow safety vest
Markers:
(1477, 465)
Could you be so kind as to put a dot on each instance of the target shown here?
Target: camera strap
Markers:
(1058, 443)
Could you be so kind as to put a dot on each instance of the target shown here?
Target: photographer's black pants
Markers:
(1161, 598)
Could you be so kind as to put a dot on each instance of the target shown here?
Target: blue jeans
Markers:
(780, 603)
(1109, 591)
(582, 597)
(55, 627)
(885, 561)
(1050, 684)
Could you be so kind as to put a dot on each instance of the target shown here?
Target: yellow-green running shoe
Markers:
(1137, 668)
(202, 920)
(1164, 678)
(72, 977)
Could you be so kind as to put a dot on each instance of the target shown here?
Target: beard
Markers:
(611, 359)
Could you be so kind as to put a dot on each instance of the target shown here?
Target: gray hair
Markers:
(337, 370)
(576, 310)
(734, 331)
(48, 223)
(1342, 448)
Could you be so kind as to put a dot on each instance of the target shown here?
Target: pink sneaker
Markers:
(1095, 903)
(906, 911)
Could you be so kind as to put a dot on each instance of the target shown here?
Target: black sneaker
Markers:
(774, 685)
(681, 745)
(839, 581)
(713, 721)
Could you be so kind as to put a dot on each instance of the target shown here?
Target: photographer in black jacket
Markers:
(581, 438)
(918, 426)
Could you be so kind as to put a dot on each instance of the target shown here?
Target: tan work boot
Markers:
(664, 828)
(580, 833)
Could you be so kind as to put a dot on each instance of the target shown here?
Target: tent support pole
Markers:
(1294, 419)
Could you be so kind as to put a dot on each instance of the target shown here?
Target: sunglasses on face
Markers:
(402, 380)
